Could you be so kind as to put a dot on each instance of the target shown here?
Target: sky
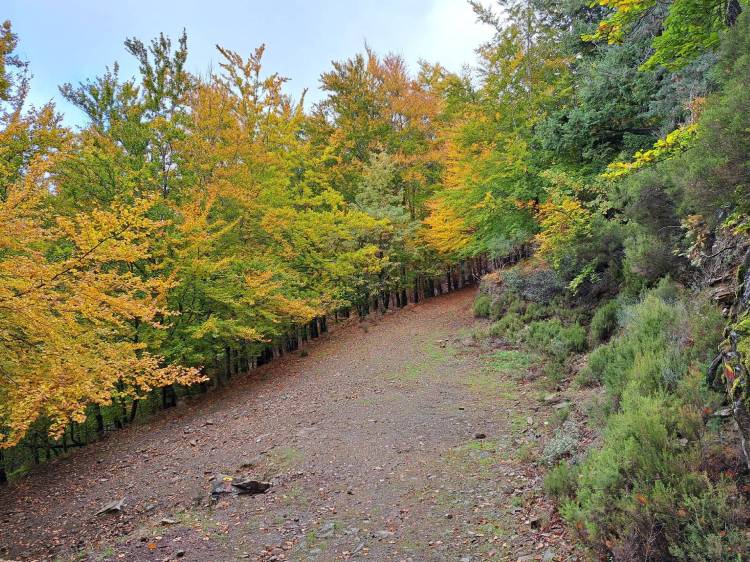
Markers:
(72, 40)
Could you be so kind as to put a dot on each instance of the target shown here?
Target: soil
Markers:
(396, 439)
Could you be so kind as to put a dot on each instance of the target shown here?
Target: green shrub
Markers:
(482, 306)
(604, 322)
(666, 290)
(555, 339)
(644, 491)
(585, 378)
(560, 481)
(655, 348)
(648, 257)
(505, 301)
(496, 309)
(717, 529)
(555, 371)
(508, 327)
(536, 311)
(645, 495)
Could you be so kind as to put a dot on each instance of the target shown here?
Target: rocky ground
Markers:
(397, 439)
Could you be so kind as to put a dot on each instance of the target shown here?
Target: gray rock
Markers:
(384, 534)
(326, 530)
(111, 507)
(253, 462)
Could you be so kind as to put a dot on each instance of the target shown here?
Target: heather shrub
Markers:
(560, 481)
(482, 305)
(604, 322)
(660, 339)
(508, 327)
(556, 339)
(645, 494)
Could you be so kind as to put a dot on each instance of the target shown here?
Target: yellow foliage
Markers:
(443, 230)
(676, 141)
(69, 299)
(563, 221)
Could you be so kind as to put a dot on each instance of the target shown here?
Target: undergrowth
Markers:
(659, 484)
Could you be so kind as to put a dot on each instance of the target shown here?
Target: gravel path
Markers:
(373, 443)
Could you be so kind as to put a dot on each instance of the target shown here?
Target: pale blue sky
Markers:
(71, 40)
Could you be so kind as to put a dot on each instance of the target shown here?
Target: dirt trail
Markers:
(370, 442)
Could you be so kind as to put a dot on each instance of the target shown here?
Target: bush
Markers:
(585, 378)
(648, 258)
(555, 339)
(644, 495)
(534, 285)
(537, 311)
(482, 306)
(657, 345)
(604, 322)
(509, 327)
(643, 492)
(560, 481)
(555, 371)
(562, 444)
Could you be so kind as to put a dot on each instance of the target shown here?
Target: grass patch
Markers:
(475, 454)
(283, 458)
(527, 453)
(510, 361)
(491, 384)
(500, 371)
(434, 357)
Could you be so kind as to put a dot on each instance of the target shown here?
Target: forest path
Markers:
(372, 443)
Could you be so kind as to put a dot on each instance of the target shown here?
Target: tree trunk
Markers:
(99, 421)
(3, 474)
(168, 397)
(734, 9)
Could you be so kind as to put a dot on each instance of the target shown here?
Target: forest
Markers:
(199, 226)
